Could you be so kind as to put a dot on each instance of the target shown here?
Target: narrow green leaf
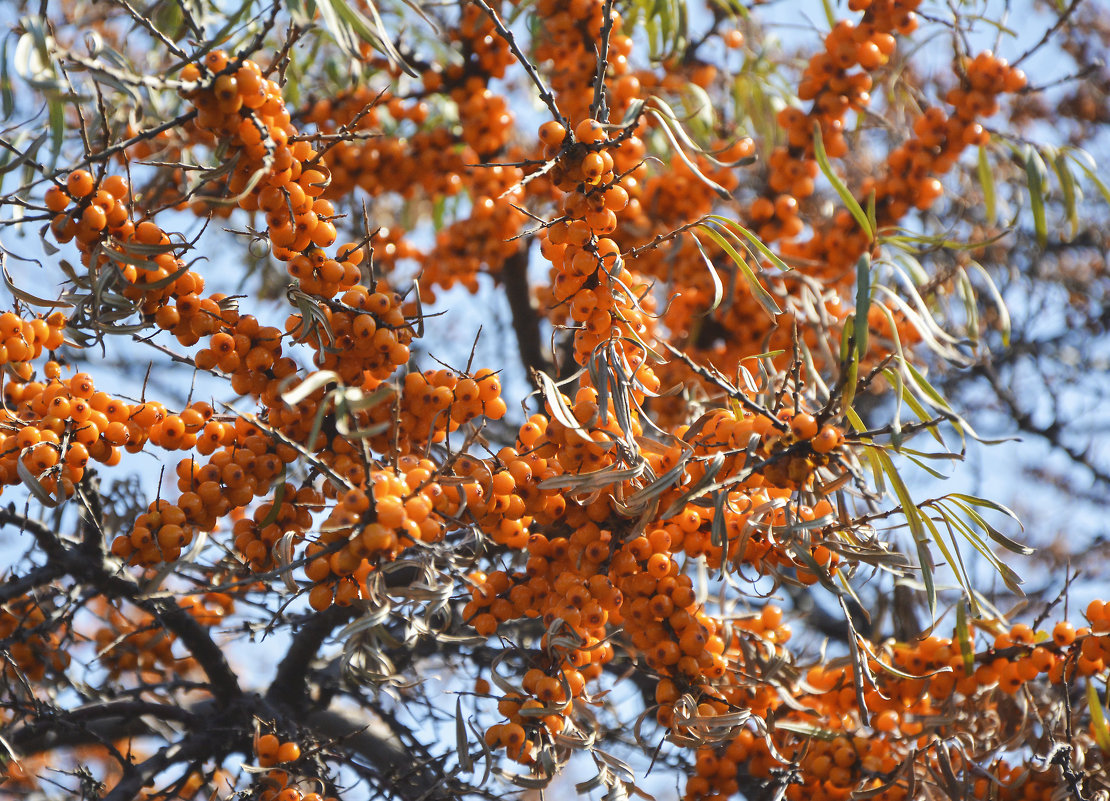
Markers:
(971, 308)
(919, 462)
(992, 532)
(1035, 172)
(830, 17)
(850, 386)
(1067, 187)
(57, 130)
(7, 96)
(837, 184)
(932, 395)
(462, 742)
(986, 181)
(275, 505)
(734, 228)
(1004, 324)
(855, 420)
(963, 634)
(895, 379)
(953, 558)
(758, 291)
(1098, 717)
(665, 127)
(1085, 162)
(846, 337)
(1011, 579)
(913, 519)
(372, 32)
(986, 503)
(863, 303)
(718, 288)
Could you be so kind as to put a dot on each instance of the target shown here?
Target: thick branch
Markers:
(379, 747)
(103, 721)
(526, 317)
(290, 685)
(105, 575)
(196, 746)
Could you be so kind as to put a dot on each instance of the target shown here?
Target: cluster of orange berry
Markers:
(159, 535)
(945, 687)
(536, 715)
(234, 476)
(272, 751)
(136, 642)
(833, 91)
(567, 41)
(290, 511)
(482, 241)
(432, 404)
(485, 52)
(277, 173)
(796, 470)
(22, 341)
(140, 256)
(278, 784)
(33, 648)
(429, 159)
(401, 508)
(675, 195)
(369, 335)
(55, 428)
(249, 354)
(97, 211)
(588, 271)
(760, 503)
(586, 446)
(909, 178)
(208, 609)
(941, 138)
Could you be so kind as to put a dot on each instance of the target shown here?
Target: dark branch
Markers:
(526, 317)
(290, 684)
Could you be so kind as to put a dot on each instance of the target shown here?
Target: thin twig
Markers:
(545, 94)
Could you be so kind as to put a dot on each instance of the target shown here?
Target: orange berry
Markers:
(267, 746)
(828, 438)
(552, 134)
(288, 752)
(1063, 634)
(80, 183)
(804, 426)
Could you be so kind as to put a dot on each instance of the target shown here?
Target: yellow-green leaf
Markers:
(837, 184)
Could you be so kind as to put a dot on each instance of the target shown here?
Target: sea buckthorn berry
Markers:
(80, 183)
(589, 132)
(827, 439)
(116, 186)
(1063, 634)
(804, 426)
(288, 752)
(552, 134)
(267, 747)
(592, 167)
(56, 199)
